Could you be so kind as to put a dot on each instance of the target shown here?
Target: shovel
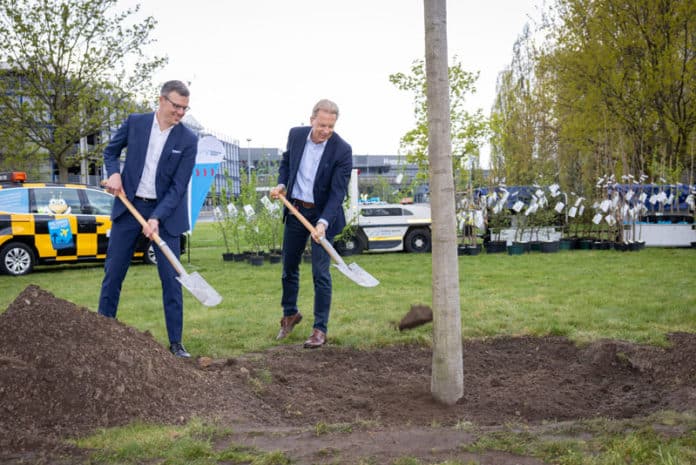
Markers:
(352, 271)
(194, 282)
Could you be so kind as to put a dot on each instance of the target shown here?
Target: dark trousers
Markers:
(294, 242)
(125, 231)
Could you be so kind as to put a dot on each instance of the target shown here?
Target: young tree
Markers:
(467, 131)
(447, 381)
(70, 70)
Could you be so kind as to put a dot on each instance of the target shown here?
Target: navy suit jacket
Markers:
(173, 170)
(331, 181)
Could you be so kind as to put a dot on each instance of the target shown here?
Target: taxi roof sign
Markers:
(13, 176)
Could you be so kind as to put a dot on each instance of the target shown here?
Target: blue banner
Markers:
(210, 154)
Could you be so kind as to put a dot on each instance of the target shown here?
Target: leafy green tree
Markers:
(71, 70)
(639, 58)
(601, 87)
(468, 130)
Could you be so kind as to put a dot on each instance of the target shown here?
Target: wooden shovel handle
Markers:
(297, 214)
(155, 237)
(324, 243)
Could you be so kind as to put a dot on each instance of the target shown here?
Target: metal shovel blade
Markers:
(200, 289)
(357, 274)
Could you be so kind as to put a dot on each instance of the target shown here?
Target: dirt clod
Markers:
(418, 315)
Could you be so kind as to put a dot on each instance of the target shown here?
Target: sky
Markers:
(256, 68)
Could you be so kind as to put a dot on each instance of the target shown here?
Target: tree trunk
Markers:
(447, 382)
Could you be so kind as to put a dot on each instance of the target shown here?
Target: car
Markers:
(51, 224)
(385, 227)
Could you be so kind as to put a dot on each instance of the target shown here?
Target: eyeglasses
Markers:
(176, 106)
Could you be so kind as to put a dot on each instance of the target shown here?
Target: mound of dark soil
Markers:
(66, 371)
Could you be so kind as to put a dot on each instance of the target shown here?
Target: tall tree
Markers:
(447, 382)
(71, 69)
(626, 72)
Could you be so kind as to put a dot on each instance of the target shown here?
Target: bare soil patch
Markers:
(66, 371)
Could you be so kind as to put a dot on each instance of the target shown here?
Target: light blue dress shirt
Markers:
(304, 184)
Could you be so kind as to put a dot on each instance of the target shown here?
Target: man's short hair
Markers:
(174, 86)
(327, 106)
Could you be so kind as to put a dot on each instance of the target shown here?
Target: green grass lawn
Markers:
(588, 294)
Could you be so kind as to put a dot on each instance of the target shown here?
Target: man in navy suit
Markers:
(315, 170)
(159, 161)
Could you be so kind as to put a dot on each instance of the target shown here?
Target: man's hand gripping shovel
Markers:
(194, 282)
(352, 271)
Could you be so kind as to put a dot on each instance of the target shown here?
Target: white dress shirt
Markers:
(146, 188)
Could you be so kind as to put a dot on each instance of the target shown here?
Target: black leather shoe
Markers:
(178, 350)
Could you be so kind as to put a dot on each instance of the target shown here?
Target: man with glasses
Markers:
(154, 177)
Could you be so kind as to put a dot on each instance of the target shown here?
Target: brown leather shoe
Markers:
(316, 340)
(287, 323)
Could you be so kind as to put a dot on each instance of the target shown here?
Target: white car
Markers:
(382, 227)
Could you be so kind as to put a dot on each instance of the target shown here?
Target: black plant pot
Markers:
(307, 258)
(586, 244)
(636, 246)
(473, 249)
(495, 246)
(228, 257)
(549, 247)
(274, 258)
(256, 260)
(621, 246)
(462, 250)
(239, 257)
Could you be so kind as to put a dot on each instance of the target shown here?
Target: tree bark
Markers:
(447, 382)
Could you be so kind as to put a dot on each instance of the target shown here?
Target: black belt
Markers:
(302, 203)
(144, 199)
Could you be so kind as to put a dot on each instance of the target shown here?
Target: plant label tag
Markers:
(231, 209)
(478, 219)
(270, 206)
(559, 207)
(572, 212)
(518, 206)
(597, 218)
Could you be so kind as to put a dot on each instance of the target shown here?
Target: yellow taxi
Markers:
(46, 223)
